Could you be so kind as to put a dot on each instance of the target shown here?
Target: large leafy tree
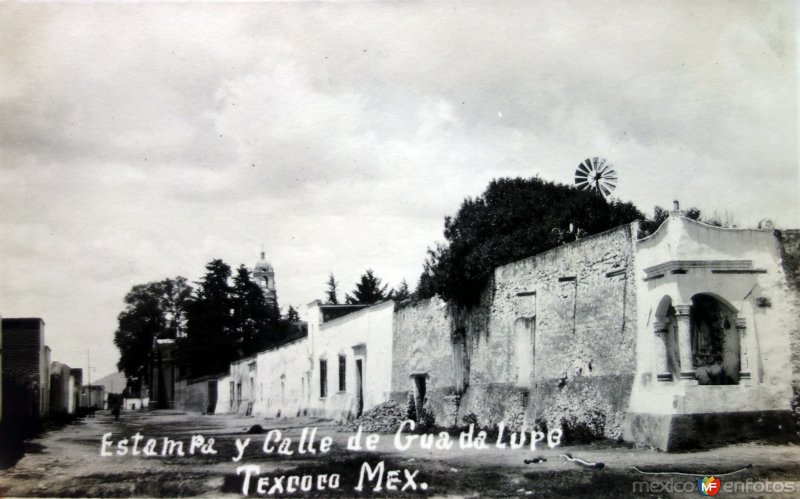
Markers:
(152, 311)
(514, 218)
(369, 290)
(176, 294)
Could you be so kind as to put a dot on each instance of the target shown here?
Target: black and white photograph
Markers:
(432, 249)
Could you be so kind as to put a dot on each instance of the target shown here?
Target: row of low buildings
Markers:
(685, 337)
(33, 387)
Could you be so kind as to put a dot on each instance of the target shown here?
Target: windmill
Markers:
(596, 174)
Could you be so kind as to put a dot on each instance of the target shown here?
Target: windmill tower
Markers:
(596, 174)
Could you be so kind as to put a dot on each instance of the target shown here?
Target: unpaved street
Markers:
(68, 463)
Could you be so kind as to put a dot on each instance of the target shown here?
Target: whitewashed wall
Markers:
(367, 332)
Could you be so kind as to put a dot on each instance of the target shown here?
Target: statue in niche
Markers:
(714, 354)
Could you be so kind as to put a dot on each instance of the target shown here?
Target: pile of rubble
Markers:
(383, 418)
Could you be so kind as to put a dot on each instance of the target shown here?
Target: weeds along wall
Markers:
(425, 345)
(552, 341)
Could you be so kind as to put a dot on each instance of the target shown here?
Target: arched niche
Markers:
(666, 342)
(715, 340)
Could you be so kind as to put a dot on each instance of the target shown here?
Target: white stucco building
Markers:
(715, 319)
(341, 368)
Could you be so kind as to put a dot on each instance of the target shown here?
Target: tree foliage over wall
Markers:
(513, 219)
(210, 343)
(153, 311)
(402, 291)
(331, 293)
(226, 318)
(369, 290)
(229, 318)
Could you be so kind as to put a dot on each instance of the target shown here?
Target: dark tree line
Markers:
(225, 318)
(369, 289)
(228, 318)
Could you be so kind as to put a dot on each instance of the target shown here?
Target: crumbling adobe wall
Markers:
(422, 341)
(790, 261)
(580, 299)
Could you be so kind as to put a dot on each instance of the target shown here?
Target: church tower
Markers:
(264, 276)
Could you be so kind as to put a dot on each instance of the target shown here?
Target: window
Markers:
(233, 393)
(342, 373)
(323, 378)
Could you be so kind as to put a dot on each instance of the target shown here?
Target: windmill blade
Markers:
(610, 176)
(603, 189)
(584, 167)
(601, 164)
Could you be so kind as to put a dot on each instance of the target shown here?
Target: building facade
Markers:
(687, 337)
(339, 369)
(26, 377)
(63, 390)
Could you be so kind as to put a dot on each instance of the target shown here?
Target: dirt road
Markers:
(69, 463)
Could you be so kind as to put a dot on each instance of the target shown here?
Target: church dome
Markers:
(263, 265)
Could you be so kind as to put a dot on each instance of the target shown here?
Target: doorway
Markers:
(212, 397)
(359, 387)
(420, 386)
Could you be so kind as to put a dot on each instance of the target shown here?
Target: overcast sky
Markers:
(138, 142)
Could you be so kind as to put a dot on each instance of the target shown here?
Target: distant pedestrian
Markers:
(115, 411)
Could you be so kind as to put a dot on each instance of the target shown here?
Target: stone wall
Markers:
(790, 261)
(554, 341)
(423, 345)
